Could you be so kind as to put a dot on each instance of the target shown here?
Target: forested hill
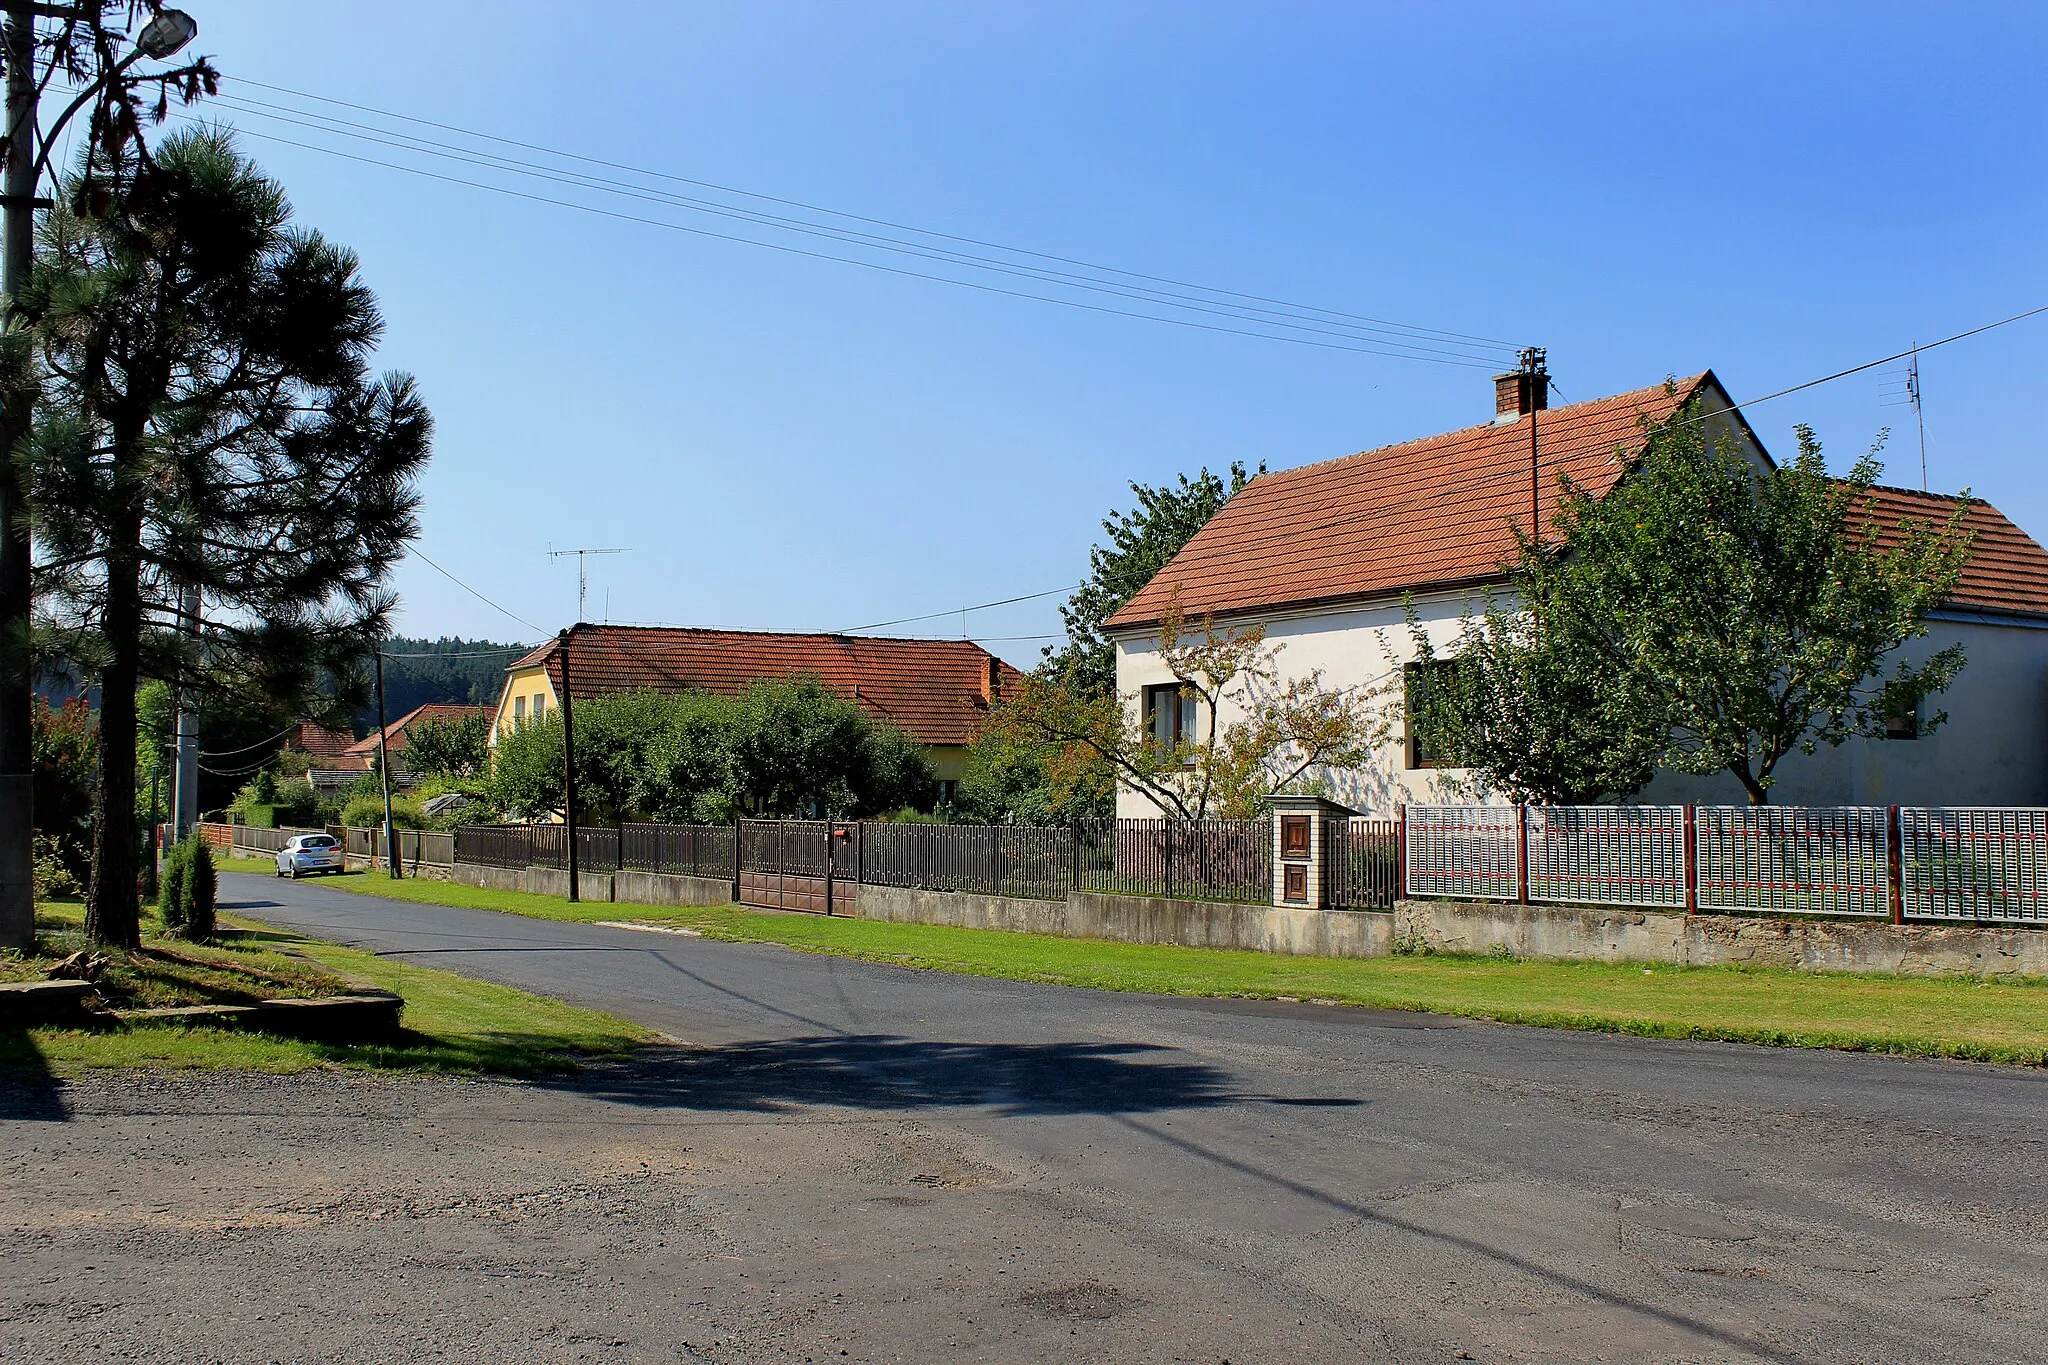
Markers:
(446, 669)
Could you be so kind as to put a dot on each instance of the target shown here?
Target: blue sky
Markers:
(1773, 191)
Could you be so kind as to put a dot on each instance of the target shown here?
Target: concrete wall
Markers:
(1613, 935)
(625, 888)
(1141, 919)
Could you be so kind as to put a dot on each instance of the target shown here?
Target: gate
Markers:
(809, 865)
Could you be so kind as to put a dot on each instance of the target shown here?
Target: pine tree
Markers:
(209, 423)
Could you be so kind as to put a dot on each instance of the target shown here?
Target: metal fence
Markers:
(1471, 852)
(1607, 855)
(1833, 860)
(1978, 864)
(1203, 860)
(1361, 863)
(681, 850)
(1034, 862)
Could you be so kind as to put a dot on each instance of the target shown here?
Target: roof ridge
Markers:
(1683, 386)
(834, 636)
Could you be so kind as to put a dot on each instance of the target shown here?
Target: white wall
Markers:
(1992, 751)
(1355, 647)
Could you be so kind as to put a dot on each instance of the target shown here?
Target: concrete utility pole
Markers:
(185, 790)
(17, 254)
(166, 33)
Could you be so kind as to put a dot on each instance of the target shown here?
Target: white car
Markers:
(304, 853)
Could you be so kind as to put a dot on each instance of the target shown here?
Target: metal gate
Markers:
(809, 865)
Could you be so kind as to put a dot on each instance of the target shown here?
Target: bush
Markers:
(367, 812)
(54, 880)
(188, 888)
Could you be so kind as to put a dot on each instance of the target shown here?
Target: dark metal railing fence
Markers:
(1204, 860)
(1361, 863)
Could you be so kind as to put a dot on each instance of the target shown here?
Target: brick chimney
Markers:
(1518, 393)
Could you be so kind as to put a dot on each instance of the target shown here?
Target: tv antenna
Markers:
(1903, 390)
(582, 570)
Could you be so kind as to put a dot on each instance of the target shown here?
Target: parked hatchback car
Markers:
(304, 853)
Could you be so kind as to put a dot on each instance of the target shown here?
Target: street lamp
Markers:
(166, 34)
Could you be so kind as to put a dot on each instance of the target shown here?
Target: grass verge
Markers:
(452, 1023)
(1938, 1017)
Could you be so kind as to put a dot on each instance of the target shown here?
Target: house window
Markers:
(540, 707)
(1170, 713)
(1416, 681)
(519, 711)
(1902, 720)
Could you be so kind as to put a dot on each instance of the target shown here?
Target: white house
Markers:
(1323, 556)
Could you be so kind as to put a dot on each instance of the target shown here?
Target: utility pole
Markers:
(185, 789)
(17, 254)
(167, 32)
(568, 710)
(384, 769)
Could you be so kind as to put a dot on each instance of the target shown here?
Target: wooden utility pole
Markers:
(17, 762)
(384, 770)
(568, 711)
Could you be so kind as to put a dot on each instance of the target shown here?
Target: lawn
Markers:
(1948, 1017)
(452, 1023)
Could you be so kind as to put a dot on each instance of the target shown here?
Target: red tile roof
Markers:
(933, 690)
(318, 740)
(1438, 513)
(434, 712)
(2007, 569)
(1429, 513)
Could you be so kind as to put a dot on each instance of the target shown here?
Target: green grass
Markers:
(451, 1023)
(170, 971)
(1946, 1017)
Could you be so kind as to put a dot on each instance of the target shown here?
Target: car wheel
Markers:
(293, 874)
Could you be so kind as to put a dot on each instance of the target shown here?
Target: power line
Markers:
(416, 550)
(1410, 339)
(1426, 332)
(848, 260)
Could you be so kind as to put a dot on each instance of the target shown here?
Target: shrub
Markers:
(201, 889)
(367, 812)
(186, 892)
(54, 880)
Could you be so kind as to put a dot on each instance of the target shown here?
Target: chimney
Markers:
(992, 681)
(1520, 392)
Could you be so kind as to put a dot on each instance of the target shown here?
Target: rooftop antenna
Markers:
(582, 574)
(1901, 388)
(1913, 392)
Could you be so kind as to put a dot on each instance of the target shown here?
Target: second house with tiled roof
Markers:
(935, 691)
(1326, 557)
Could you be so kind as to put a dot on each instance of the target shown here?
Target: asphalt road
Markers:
(865, 1162)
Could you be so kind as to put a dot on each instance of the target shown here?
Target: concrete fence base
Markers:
(626, 888)
(1141, 919)
(1659, 936)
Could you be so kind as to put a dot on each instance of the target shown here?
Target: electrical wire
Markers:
(1415, 354)
(871, 241)
(261, 743)
(1306, 309)
(424, 558)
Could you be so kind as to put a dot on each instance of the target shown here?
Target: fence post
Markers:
(1895, 863)
(1167, 825)
(1692, 860)
(1401, 853)
(860, 852)
(735, 857)
(1522, 854)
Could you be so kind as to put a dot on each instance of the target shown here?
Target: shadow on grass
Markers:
(888, 1073)
(28, 1090)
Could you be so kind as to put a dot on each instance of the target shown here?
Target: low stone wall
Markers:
(1819, 945)
(1141, 919)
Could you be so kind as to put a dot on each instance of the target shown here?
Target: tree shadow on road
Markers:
(890, 1073)
(28, 1088)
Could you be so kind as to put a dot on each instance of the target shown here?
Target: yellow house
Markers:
(935, 691)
